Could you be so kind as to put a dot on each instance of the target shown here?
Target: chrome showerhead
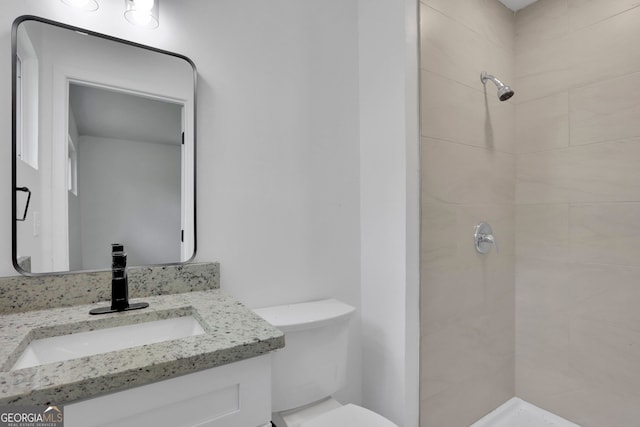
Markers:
(504, 91)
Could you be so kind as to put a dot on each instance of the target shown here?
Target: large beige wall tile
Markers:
(449, 48)
(542, 52)
(576, 303)
(457, 173)
(574, 326)
(597, 52)
(455, 293)
(542, 328)
(605, 172)
(542, 362)
(468, 13)
(607, 355)
(463, 405)
(498, 25)
(583, 13)
(606, 293)
(454, 112)
(542, 21)
(542, 69)
(543, 124)
(452, 399)
(543, 177)
(605, 233)
(576, 334)
(439, 243)
(587, 282)
(543, 285)
(605, 50)
(606, 111)
(464, 349)
(594, 406)
(541, 352)
(490, 19)
(542, 231)
(451, 294)
(538, 380)
(452, 50)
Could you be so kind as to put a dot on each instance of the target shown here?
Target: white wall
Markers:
(279, 157)
(142, 180)
(278, 150)
(277, 136)
(389, 158)
(278, 127)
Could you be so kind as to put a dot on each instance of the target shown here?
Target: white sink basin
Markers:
(67, 347)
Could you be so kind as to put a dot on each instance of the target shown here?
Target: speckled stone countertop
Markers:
(27, 293)
(232, 333)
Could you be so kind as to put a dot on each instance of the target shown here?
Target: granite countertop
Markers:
(232, 333)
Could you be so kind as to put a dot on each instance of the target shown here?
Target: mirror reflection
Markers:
(104, 143)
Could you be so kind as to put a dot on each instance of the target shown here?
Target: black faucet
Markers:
(119, 284)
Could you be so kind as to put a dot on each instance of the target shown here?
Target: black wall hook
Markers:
(26, 207)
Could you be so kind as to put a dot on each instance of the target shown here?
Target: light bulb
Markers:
(142, 13)
(144, 5)
(141, 18)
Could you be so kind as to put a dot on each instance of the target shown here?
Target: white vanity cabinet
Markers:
(233, 395)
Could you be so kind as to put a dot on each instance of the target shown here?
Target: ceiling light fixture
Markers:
(142, 13)
(86, 5)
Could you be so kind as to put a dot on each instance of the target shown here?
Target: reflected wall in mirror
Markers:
(104, 141)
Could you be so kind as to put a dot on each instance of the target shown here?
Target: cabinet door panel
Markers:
(234, 395)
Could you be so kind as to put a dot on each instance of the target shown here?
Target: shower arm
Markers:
(484, 76)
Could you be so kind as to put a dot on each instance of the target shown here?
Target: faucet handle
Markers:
(483, 238)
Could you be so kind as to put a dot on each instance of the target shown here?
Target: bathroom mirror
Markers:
(103, 150)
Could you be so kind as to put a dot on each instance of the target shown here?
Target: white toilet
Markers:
(312, 366)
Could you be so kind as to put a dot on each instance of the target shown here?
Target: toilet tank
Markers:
(313, 363)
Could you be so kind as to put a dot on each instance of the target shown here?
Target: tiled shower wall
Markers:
(578, 209)
(468, 175)
(557, 168)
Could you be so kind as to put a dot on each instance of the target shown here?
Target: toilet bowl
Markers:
(329, 412)
(348, 416)
(312, 366)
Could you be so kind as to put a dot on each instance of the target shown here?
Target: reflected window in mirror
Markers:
(26, 70)
(72, 168)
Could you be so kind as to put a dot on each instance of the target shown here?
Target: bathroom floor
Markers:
(518, 413)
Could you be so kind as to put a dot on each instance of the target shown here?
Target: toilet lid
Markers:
(349, 416)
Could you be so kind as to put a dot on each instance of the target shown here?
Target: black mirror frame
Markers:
(14, 218)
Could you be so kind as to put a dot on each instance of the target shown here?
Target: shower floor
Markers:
(518, 413)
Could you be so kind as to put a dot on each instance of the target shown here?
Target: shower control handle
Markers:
(483, 238)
